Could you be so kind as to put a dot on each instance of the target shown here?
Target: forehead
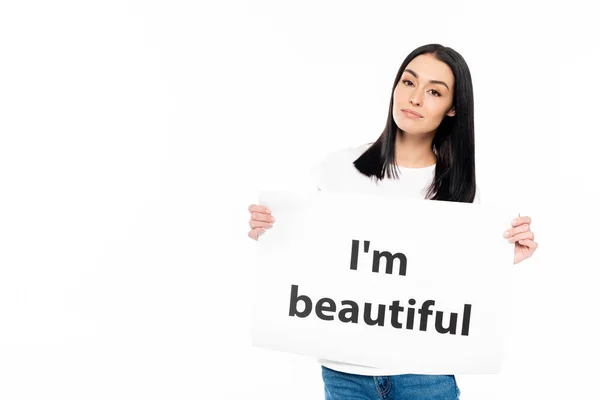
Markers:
(427, 67)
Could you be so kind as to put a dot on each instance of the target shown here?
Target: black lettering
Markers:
(354, 254)
(395, 308)
(466, 320)
(439, 316)
(294, 298)
(380, 315)
(319, 308)
(389, 268)
(411, 314)
(353, 310)
(425, 311)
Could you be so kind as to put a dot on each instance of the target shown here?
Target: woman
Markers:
(427, 151)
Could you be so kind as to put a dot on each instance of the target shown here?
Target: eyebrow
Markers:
(410, 71)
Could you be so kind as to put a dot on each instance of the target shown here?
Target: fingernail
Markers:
(506, 234)
(514, 222)
(272, 219)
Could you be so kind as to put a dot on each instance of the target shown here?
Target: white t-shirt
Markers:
(336, 173)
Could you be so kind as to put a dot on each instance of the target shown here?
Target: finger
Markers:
(520, 236)
(259, 208)
(259, 224)
(518, 229)
(257, 216)
(521, 220)
(255, 233)
(529, 243)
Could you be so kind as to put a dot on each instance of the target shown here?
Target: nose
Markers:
(415, 98)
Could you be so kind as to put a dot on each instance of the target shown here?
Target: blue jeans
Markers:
(341, 385)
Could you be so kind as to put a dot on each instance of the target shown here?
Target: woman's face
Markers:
(426, 87)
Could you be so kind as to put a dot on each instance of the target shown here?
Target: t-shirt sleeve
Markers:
(316, 177)
(329, 169)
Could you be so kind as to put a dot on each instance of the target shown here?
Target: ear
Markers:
(451, 113)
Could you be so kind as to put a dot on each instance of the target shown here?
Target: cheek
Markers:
(401, 94)
(396, 107)
(395, 97)
(438, 109)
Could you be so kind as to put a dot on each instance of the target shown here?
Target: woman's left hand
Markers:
(522, 236)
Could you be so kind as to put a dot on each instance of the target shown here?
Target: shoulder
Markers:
(344, 155)
(337, 164)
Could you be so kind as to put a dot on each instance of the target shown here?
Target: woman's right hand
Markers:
(260, 220)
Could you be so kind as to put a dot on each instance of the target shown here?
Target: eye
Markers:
(405, 82)
(435, 93)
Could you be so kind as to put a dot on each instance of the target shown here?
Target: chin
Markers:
(408, 127)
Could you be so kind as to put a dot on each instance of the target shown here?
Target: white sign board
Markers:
(414, 285)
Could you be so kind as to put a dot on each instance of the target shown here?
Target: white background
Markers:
(134, 135)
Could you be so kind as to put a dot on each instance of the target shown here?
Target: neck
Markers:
(414, 151)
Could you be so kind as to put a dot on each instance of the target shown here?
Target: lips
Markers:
(411, 113)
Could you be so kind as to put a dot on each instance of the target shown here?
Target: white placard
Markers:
(411, 285)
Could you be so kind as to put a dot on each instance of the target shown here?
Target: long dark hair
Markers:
(454, 141)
